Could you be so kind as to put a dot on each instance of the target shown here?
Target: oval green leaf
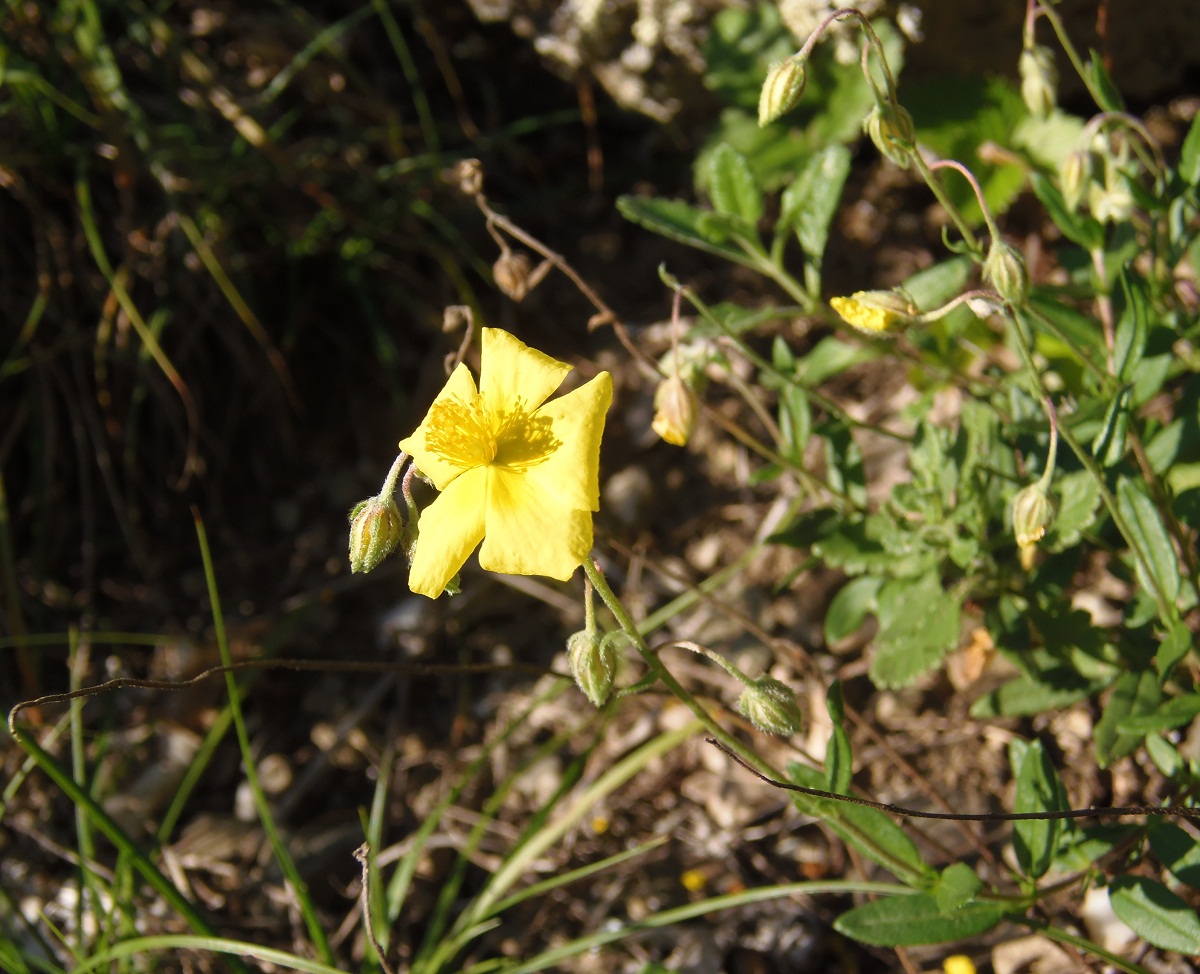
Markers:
(909, 921)
(1156, 914)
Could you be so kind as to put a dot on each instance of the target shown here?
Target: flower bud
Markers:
(468, 174)
(376, 527)
(1039, 80)
(891, 129)
(1075, 174)
(781, 91)
(593, 663)
(878, 312)
(770, 706)
(1005, 270)
(1032, 514)
(675, 411)
(512, 273)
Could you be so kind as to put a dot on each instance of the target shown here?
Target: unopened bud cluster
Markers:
(593, 663)
(376, 527)
(782, 90)
(1005, 270)
(1032, 514)
(770, 706)
(1039, 80)
(890, 127)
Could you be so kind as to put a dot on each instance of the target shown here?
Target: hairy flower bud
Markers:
(1039, 80)
(891, 129)
(781, 91)
(376, 527)
(1032, 514)
(675, 411)
(1005, 270)
(512, 273)
(770, 706)
(1075, 174)
(877, 312)
(593, 663)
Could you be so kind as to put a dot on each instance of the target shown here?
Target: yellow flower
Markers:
(958, 964)
(516, 472)
(880, 312)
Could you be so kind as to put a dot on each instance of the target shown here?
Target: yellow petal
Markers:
(511, 372)
(459, 386)
(571, 474)
(450, 528)
(529, 533)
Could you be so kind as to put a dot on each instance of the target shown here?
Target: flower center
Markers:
(461, 433)
(469, 434)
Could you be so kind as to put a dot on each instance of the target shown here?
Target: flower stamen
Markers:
(463, 434)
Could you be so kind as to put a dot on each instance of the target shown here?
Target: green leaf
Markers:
(1081, 849)
(852, 547)
(1078, 228)
(1174, 713)
(918, 625)
(1178, 851)
(1149, 534)
(1109, 445)
(839, 759)
(849, 608)
(1079, 499)
(869, 830)
(956, 887)
(1172, 649)
(1133, 326)
(679, 221)
(1156, 914)
(795, 422)
(733, 319)
(1107, 95)
(731, 185)
(829, 357)
(844, 470)
(934, 286)
(1164, 754)
(1054, 688)
(1038, 790)
(1189, 155)
(1134, 693)
(809, 203)
(909, 921)
(808, 528)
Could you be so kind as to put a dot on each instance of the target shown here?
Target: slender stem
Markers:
(1120, 811)
(940, 194)
(958, 167)
(1089, 463)
(1104, 307)
(389, 484)
(716, 657)
(625, 621)
(1052, 453)
(1063, 937)
(1048, 12)
(363, 855)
